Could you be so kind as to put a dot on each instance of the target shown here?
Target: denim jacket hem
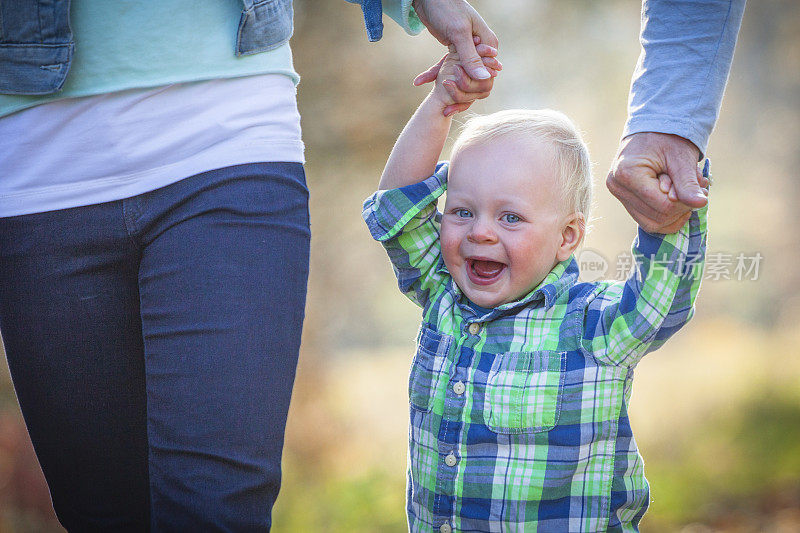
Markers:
(34, 69)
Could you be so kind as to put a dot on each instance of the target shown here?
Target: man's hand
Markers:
(656, 177)
(455, 22)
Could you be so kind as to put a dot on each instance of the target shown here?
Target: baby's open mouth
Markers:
(484, 271)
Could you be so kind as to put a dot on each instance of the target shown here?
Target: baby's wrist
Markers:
(437, 100)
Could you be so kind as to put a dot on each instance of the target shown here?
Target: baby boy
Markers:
(521, 382)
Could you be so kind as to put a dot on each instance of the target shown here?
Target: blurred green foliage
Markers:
(372, 502)
(747, 460)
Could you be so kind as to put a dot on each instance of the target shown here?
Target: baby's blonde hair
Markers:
(572, 154)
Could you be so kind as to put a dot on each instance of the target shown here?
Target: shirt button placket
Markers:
(452, 422)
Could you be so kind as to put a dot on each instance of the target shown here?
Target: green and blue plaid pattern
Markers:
(519, 417)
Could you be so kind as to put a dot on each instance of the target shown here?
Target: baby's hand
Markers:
(453, 89)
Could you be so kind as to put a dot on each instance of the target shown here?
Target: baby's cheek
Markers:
(450, 244)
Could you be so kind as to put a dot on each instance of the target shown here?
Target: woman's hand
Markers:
(455, 23)
(454, 89)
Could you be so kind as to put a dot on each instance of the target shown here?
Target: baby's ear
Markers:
(571, 235)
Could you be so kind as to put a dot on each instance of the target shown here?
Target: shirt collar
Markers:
(560, 279)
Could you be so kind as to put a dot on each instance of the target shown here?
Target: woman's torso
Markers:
(156, 94)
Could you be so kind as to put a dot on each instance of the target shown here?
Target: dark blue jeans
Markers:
(153, 345)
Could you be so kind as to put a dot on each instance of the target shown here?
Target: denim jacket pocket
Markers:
(524, 390)
(429, 365)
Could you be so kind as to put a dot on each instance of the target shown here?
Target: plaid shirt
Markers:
(519, 415)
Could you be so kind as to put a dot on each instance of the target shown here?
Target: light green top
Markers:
(128, 44)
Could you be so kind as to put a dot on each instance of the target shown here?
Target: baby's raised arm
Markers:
(624, 321)
(419, 146)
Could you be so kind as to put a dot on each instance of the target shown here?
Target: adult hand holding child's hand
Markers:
(454, 88)
(655, 176)
(455, 24)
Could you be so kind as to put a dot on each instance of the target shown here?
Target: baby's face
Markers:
(503, 219)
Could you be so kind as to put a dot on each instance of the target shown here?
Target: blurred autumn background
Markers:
(716, 411)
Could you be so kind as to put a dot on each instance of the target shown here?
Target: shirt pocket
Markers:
(428, 367)
(524, 390)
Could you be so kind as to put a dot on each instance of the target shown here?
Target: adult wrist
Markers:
(684, 128)
(669, 137)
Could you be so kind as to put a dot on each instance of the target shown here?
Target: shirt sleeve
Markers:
(406, 222)
(686, 53)
(624, 321)
(401, 11)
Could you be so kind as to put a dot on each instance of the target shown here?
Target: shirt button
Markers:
(459, 388)
(474, 328)
(445, 528)
(450, 460)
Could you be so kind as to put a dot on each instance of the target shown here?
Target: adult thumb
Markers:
(469, 59)
(684, 178)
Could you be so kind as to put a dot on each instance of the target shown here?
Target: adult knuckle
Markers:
(624, 173)
(612, 184)
(491, 39)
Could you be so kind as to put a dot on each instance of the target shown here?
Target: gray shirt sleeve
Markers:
(686, 54)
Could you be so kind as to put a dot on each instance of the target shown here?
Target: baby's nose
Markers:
(482, 232)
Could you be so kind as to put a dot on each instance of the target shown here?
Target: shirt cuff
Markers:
(682, 128)
(402, 12)
(388, 212)
(676, 252)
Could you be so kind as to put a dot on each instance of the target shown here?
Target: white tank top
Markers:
(93, 149)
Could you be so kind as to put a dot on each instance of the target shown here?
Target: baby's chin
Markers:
(486, 299)
(490, 300)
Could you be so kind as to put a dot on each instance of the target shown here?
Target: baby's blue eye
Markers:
(511, 218)
(462, 213)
